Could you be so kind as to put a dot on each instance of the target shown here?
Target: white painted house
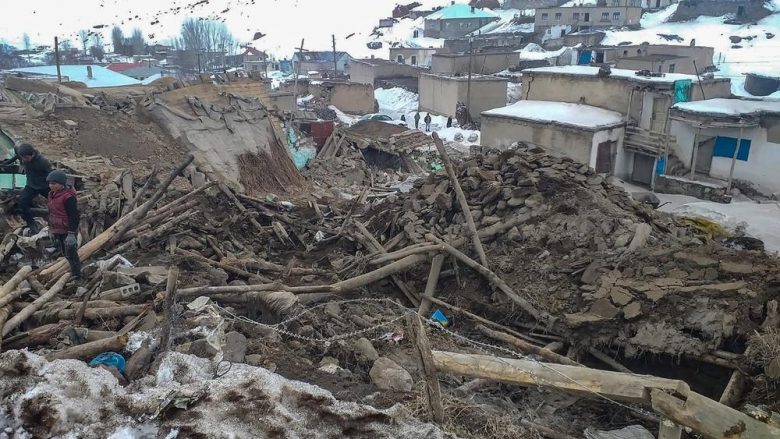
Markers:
(708, 132)
(590, 135)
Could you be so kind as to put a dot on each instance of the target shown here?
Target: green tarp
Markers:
(682, 90)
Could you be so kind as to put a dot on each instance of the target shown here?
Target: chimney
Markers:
(89, 72)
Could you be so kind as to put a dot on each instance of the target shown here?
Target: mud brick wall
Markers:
(670, 185)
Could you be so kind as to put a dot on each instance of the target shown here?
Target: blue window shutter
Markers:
(724, 147)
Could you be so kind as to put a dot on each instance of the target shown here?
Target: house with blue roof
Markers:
(457, 20)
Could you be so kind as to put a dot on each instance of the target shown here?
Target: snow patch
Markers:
(578, 115)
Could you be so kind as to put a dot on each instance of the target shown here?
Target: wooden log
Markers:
(709, 418)
(17, 278)
(141, 213)
(378, 274)
(400, 254)
(575, 379)
(606, 359)
(464, 205)
(155, 218)
(5, 311)
(430, 286)
(496, 281)
(28, 311)
(185, 198)
(422, 352)
(155, 233)
(168, 305)
(35, 337)
(227, 267)
(372, 243)
(527, 347)
(262, 265)
(669, 430)
(226, 190)
(87, 351)
(141, 192)
(8, 298)
(732, 394)
(91, 291)
(93, 313)
(138, 363)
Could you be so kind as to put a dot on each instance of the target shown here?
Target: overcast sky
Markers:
(284, 21)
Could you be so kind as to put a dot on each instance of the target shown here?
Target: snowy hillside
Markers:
(756, 52)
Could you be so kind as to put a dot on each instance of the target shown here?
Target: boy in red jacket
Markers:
(64, 218)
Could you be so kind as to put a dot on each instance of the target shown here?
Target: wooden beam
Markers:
(709, 418)
(580, 380)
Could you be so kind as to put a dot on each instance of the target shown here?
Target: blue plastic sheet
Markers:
(109, 359)
(682, 90)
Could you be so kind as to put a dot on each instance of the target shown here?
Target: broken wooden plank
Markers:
(527, 347)
(430, 286)
(422, 351)
(28, 311)
(575, 379)
(709, 418)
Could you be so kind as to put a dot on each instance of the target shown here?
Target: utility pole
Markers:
(335, 62)
(57, 58)
(468, 86)
(199, 69)
(297, 72)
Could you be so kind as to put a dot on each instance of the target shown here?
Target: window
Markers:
(659, 69)
(725, 146)
(576, 16)
(414, 60)
(616, 16)
(605, 16)
(558, 16)
(544, 16)
(615, 2)
(400, 59)
(587, 17)
(671, 68)
(416, 34)
(625, 53)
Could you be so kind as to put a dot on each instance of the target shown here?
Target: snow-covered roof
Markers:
(731, 107)
(575, 115)
(461, 10)
(668, 78)
(101, 76)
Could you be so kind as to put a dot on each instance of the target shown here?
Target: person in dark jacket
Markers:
(64, 218)
(449, 122)
(36, 167)
(417, 120)
(427, 120)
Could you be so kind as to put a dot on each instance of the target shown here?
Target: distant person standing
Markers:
(427, 122)
(417, 120)
(403, 119)
(64, 219)
(36, 168)
(449, 122)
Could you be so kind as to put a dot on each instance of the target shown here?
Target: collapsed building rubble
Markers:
(549, 275)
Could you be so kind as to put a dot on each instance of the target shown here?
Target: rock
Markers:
(710, 274)
(641, 235)
(677, 274)
(695, 260)
(532, 203)
(738, 268)
(650, 271)
(365, 350)
(387, 375)
(202, 348)
(189, 243)
(735, 39)
(333, 309)
(595, 180)
(622, 240)
(113, 280)
(458, 137)
(254, 360)
(235, 347)
(632, 310)
(591, 273)
(217, 276)
(603, 308)
(630, 432)
(328, 360)
(515, 202)
(582, 318)
(772, 370)
(620, 297)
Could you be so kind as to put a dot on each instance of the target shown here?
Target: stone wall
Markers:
(669, 184)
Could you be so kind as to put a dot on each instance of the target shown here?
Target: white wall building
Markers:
(708, 131)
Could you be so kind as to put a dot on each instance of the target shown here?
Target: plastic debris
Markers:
(440, 318)
(111, 359)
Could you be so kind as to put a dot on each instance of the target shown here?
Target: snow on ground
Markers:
(731, 107)
(651, 19)
(504, 24)
(514, 92)
(535, 52)
(757, 55)
(396, 101)
(101, 76)
(344, 117)
(758, 220)
(402, 35)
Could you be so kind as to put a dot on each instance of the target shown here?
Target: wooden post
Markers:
(422, 350)
(734, 160)
(57, 58)
(335, 63)
(297, 72)
(17, 278)
(170, 302)
(468, 84)
(411, 295)
(24, 314)
(89, 350)
(430, 287)
(734, 389)
(464, 205)
(695, 153)
(527, 347)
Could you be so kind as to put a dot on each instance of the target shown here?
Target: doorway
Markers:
(604, 158)
(643, 169)
(704, 156)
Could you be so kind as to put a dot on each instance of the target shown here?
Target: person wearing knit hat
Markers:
(36, 167)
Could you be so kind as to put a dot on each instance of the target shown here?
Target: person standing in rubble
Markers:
(64, 219)
(417, 120)
(36, 167)
(449, 122)
(427, 122)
